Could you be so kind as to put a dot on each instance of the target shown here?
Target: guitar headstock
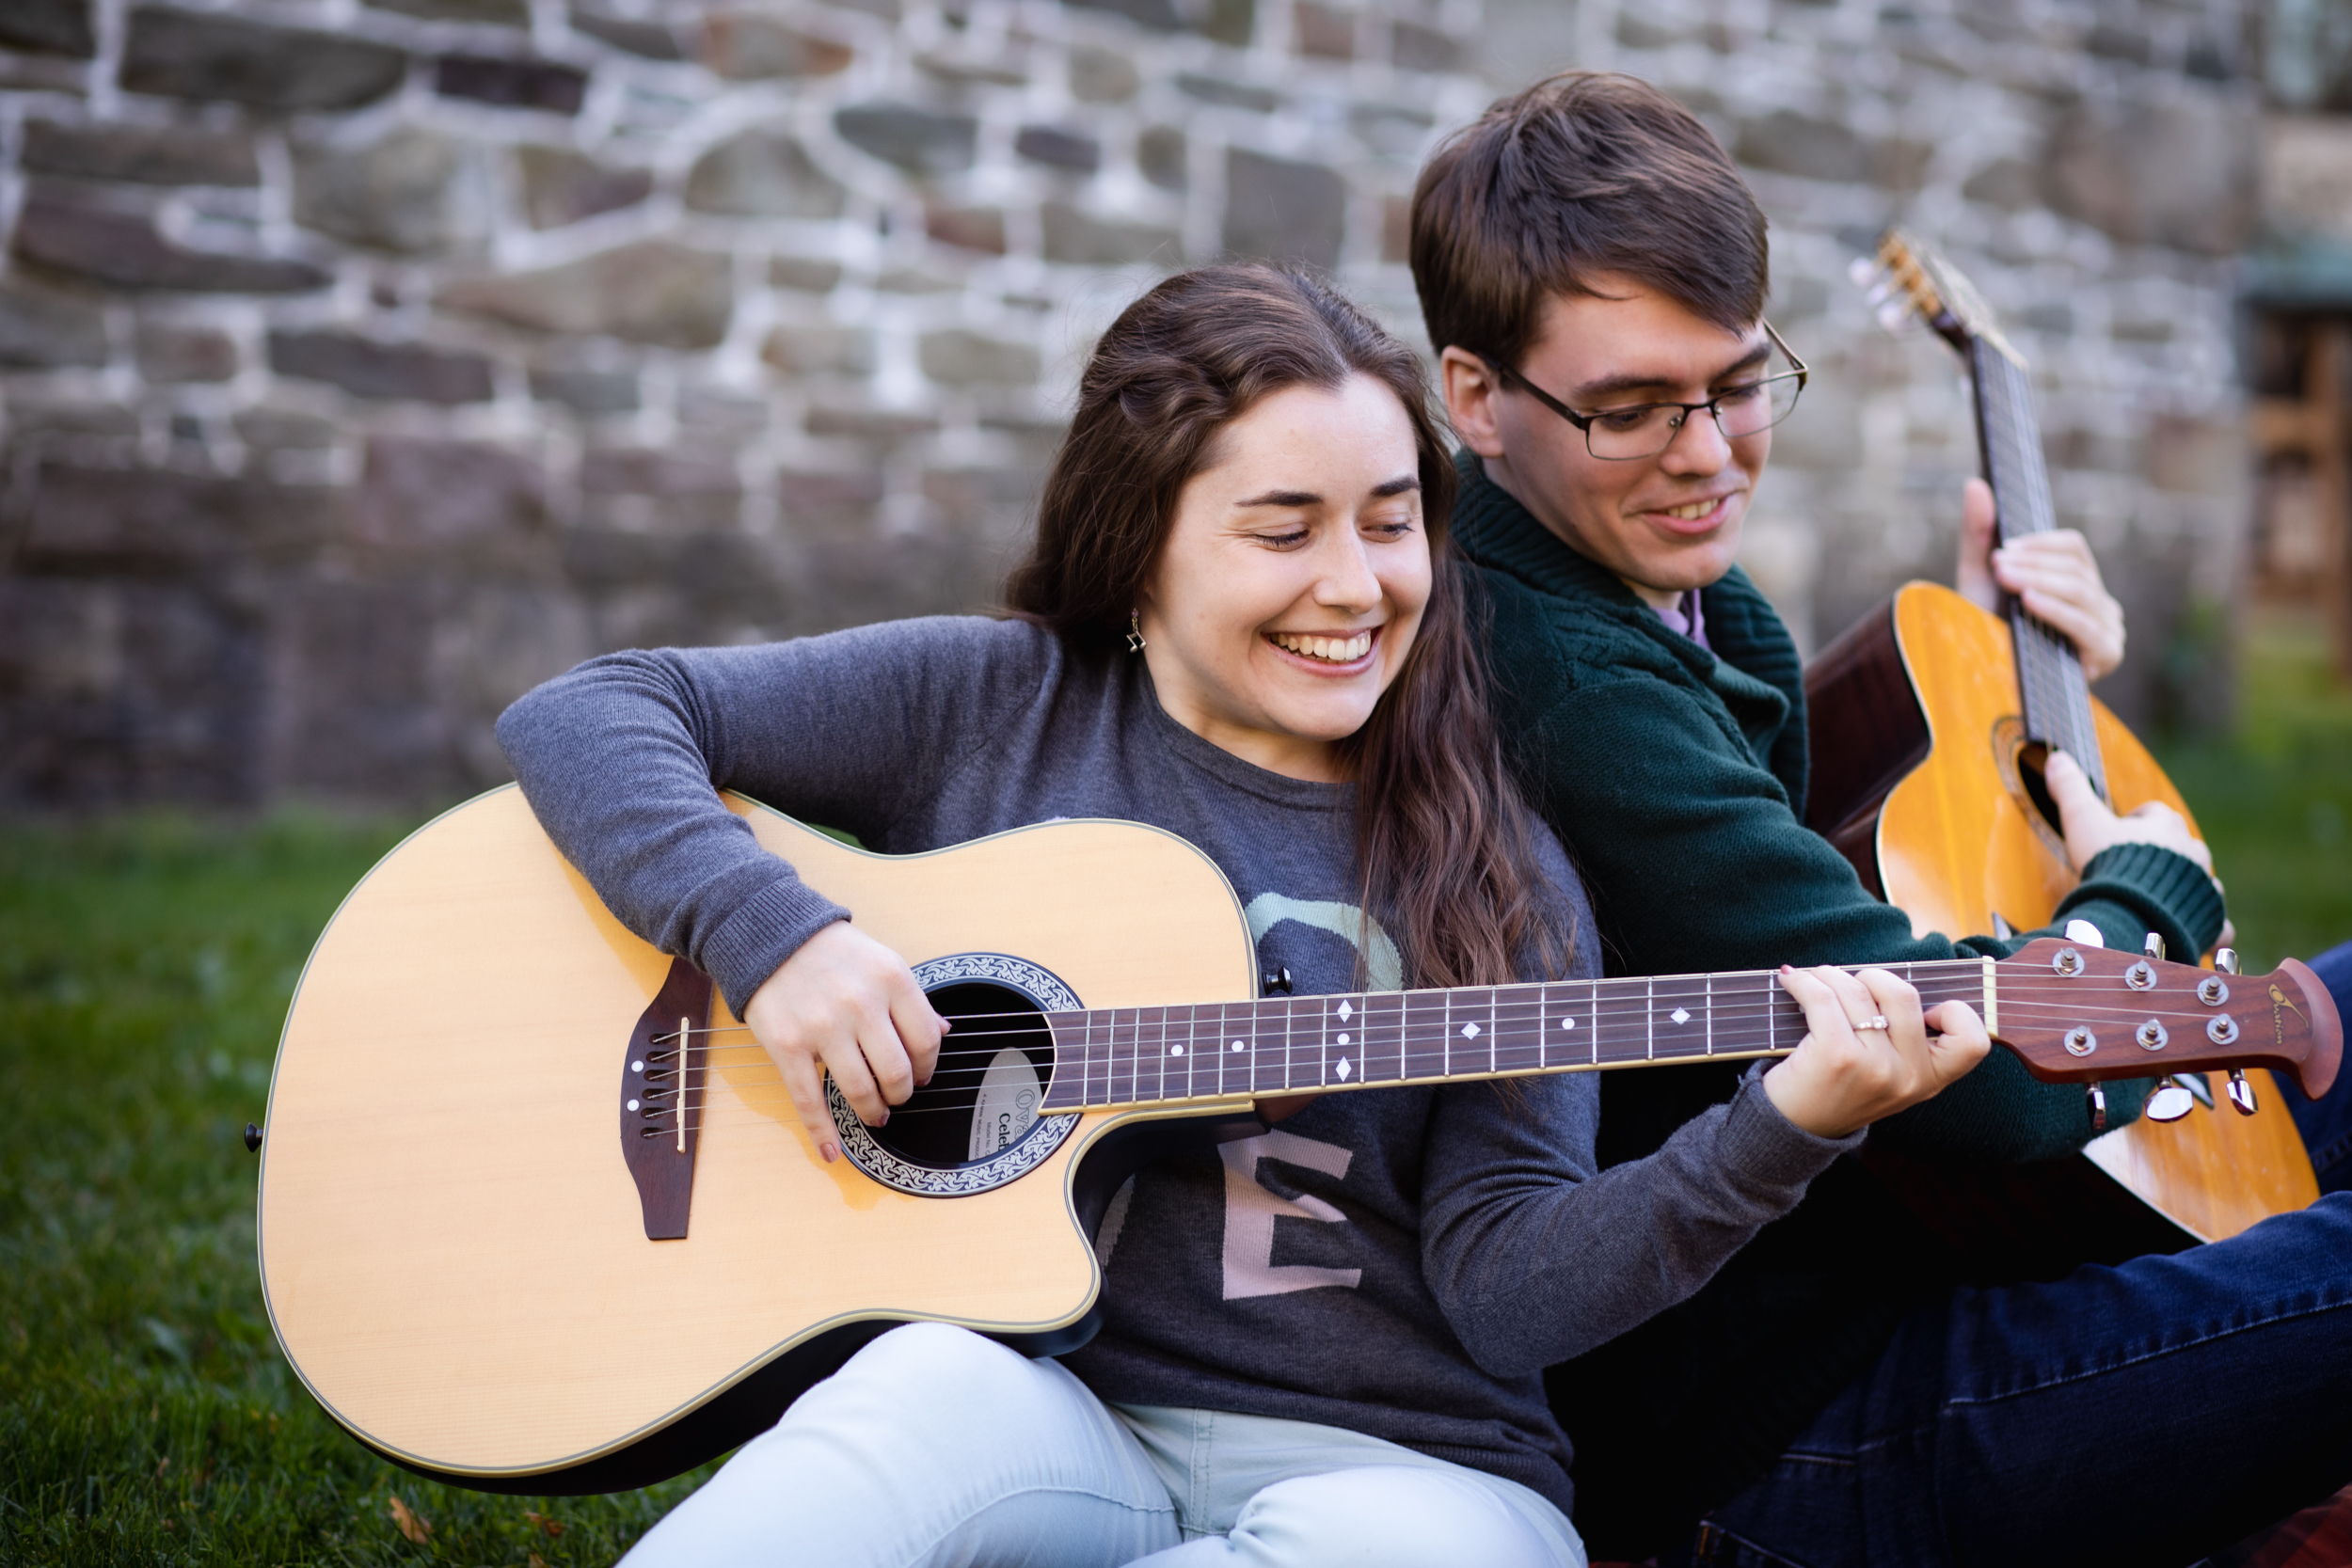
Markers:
(2075, 1013)
(1907, 280)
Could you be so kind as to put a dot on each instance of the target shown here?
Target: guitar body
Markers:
(453, 1252)
(1924, 780)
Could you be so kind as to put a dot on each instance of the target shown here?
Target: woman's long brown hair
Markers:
(1442, 840)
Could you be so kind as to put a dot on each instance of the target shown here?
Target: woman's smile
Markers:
(1346, 653)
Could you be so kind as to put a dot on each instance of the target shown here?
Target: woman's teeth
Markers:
(1331, 650)
(1693, 512)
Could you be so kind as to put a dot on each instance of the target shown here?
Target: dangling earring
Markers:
(1135, 631)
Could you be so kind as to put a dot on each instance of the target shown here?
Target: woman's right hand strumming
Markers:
(845, 1004)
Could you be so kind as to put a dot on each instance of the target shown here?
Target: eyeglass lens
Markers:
(1646, 431)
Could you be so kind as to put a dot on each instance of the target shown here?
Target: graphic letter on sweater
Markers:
(1250, 1211)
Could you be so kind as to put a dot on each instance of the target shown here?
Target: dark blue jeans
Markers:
(2141, 1415)
(2327, 1122)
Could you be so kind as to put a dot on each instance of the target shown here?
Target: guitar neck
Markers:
(2051, 685)
(1137, 1056)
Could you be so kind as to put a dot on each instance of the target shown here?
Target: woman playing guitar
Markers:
(1240, 623)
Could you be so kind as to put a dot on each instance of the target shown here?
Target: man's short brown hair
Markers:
(1584, 173)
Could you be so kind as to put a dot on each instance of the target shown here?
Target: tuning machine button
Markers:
(2242, 1092)
(2152, 945)
(2225, 960)
(2170, 1103)
(2098, 1098)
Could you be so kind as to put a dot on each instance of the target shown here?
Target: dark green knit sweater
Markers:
(1677, 777)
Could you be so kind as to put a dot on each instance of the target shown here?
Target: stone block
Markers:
(762, 174)
(141, 522)
(184, 54)
(1228, 95)
(1059, 148)
(1231, 22)
(586, 392)
(1414, 47)
(1102, 75)
(1325, 32)
(650, 292)
(652, 40)
(123, 250)
(1396, 228)
(820, 350)
(1395, 129)
(1086, 240)
(2011, 185)
(146, 155)
(169, 352)
(1158, 15)
(268, 430)
(392, 195)
(957, 357)
(870, 424)
(2197, 457)
(980, 228)
(2185, 173)
(1787, 142)
(453, 506)
(961, 66)
(1161, 155)
(1283, 211)
(48, 27)
(803, 272)
(561, 186)
(818, 498)
(367, 369)
(919, 140)
(491, 13)
(972, 499)
(116, 694)
(747, 46)
(649, 471)
(509, 83)
(41, 330)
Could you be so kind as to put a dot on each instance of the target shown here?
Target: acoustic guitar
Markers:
(1929, 721)
(536, 1215)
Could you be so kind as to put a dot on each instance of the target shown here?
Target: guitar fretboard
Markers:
(1120, 1057)
(2056, 696)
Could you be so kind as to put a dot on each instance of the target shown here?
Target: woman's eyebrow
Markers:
(1283, 498)
(1398, 486)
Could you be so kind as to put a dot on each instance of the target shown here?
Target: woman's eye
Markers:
(1296, 536)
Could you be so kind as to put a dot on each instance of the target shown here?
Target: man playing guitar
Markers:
(1593, 270)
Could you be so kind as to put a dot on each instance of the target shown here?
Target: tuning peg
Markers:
(2098, 1109)
(2001, 927)
(2241, 1092)
(2225, 959)
(1864, 270)
(1893, 317)
(2152, 945)
(2169, 1103)
(1274, 982)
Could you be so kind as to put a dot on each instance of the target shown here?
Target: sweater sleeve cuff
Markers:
(2165, 891)
(765, 929)
(1770, 1149)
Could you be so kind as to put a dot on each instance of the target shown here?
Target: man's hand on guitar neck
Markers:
(846, 1005)
(2091, 825)
(2054, 574)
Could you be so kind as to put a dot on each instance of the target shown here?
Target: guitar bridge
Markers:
(662, 1095)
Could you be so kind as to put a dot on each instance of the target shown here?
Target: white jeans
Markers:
(938, 1447)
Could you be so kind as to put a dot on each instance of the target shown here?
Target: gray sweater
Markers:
(1398, 1261)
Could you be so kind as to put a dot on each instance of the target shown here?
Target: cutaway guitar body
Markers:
(453, 1253)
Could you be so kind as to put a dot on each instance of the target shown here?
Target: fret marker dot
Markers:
(633, 1104)
(1175, 1050)
(1681, 1015)
(636, 1067)
(1344, 1069)
(1346, 1012)
(1343, 1039)
(1237, 1045)
(1567, 1023)
(1469, 1031)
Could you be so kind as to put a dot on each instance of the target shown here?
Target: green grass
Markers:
(2275, 798)
(144, 964)
(146, 1416)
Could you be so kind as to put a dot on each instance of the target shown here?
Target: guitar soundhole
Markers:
(937, 1127)
(976, 1125)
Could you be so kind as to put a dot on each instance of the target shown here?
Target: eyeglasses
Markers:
(1646, 429)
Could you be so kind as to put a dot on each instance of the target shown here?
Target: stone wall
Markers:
(362, 364)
